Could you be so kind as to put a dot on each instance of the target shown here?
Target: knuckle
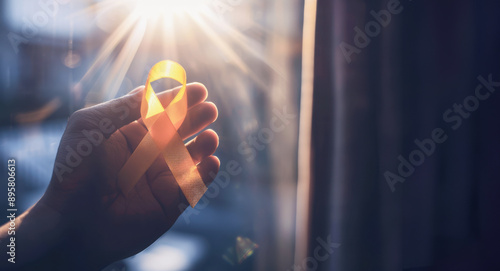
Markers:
(80, 119)
(77, 116)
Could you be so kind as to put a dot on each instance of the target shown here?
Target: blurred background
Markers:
(345, 183)
(60, 56)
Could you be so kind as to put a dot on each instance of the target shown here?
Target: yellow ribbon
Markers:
(162, 137)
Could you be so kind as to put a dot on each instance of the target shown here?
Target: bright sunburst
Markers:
(170, 29)
(157, 8)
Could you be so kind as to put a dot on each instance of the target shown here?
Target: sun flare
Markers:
(191, 31)
(157, 8)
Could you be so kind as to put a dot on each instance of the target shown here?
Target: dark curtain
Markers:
(420, 86)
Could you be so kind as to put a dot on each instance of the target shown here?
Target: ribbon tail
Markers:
(184, 170)
(137, 164)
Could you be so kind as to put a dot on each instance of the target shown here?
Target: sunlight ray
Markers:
(123, 61)
(111, 43)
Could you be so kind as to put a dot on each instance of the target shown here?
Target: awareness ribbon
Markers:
(162, 137)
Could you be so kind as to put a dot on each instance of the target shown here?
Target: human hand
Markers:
(103, 225)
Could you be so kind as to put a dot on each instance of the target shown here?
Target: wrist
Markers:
(39, 231)
(43, 231)
(72, 250)
(51, 241)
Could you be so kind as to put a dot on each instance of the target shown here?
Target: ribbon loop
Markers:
(162, 137)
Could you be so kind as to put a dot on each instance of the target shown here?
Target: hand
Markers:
(102, 225)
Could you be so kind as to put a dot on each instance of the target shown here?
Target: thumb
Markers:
(109, 116)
